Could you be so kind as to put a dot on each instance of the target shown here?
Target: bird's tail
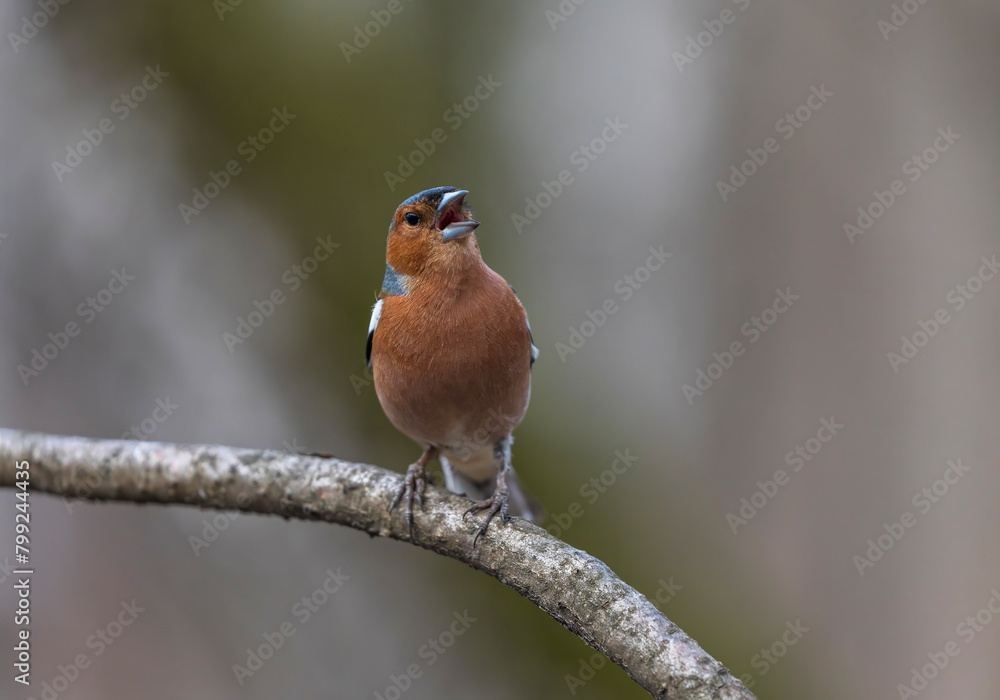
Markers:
(520, 502)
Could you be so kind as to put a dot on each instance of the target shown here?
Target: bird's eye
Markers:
(412, 219)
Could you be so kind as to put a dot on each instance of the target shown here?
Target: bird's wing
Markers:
(376, 314)
(534, 350)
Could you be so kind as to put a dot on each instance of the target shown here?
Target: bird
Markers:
(450, 350)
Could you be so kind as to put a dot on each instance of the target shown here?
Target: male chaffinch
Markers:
(451, 351)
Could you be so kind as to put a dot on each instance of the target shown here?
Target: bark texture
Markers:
(576, 589)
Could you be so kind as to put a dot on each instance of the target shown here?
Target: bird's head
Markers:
(432, 229)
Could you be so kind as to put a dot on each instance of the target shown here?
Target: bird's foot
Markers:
(497, 503)
(413, 486)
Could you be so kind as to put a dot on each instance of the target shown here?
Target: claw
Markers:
(495, 504)
(421, 486)
(396, 499)
(410, 488)
(413, 486)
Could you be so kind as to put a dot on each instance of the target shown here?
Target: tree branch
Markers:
(576, 589)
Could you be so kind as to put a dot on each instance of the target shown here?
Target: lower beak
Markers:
(451, 208)
(459, 229)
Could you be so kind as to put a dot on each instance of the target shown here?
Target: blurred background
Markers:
(820, 180)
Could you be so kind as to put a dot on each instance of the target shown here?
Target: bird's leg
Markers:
(413, 485)
(497, 503)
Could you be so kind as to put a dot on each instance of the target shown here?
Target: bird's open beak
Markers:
(451, 219)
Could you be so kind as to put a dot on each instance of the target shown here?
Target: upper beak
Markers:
(450, 216)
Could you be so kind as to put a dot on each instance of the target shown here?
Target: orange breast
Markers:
(452, 364)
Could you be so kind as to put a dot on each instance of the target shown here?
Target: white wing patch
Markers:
(376, 315)
(534, 350)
